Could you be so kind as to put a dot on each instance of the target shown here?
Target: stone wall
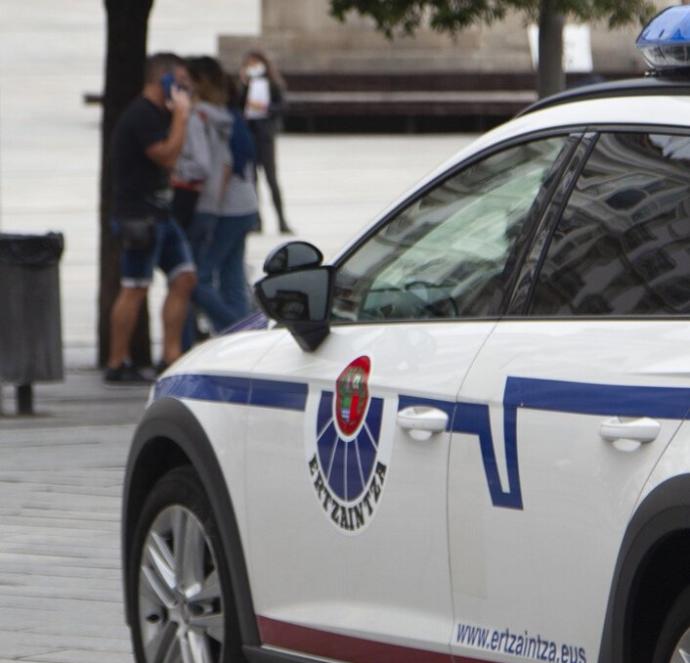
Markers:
(304, 38)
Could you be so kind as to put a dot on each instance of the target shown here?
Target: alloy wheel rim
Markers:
(181, 615)
(681, 652)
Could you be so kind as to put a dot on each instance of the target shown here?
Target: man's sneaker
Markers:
(125, 374)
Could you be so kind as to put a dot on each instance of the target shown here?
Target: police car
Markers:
(467, 438)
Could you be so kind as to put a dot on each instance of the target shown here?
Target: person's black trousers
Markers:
(264, 138)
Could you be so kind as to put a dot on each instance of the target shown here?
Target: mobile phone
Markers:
(167, 81)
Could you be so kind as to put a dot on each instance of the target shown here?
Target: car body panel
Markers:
(200, 381)
(549, 386)
(331, 581)
(676, 458)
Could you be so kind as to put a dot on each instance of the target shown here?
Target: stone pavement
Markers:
(61, 471)
(60, 489)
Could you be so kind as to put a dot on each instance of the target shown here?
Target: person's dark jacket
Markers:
(272, 124)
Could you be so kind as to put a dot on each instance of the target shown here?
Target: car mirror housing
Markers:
(291, 256)
(300, 300)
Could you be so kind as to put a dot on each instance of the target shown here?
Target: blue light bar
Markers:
(665, 40)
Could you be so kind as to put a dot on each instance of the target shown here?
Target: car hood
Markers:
(235, 354)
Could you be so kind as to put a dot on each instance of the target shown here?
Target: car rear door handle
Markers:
(422, 421)
(642, 430)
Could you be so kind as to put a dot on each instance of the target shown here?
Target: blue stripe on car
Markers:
(470, 418)
(217, 388)
(602, 399)
(283, 395)
(229, 389)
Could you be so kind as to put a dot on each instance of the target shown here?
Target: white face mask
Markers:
(256, 70)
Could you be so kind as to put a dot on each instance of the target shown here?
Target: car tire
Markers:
(178, 582)
(673, 644)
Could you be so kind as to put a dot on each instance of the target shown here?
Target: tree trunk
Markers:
(550, 75)
(124, 74)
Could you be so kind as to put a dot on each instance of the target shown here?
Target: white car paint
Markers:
(465, 558)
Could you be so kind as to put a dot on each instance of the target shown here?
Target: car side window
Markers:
(449, 254)
(622, 245)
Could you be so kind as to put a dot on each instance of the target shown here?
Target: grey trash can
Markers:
(30, 321)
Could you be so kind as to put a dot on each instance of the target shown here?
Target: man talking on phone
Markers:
(147, 140)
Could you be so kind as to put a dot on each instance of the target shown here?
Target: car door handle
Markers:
(642, 430)
(422, 421)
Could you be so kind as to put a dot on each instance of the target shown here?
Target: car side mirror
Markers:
(300, 300)
(291, 256)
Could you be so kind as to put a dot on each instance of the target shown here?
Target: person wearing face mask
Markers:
(262, 98)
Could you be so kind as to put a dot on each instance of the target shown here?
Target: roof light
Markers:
(665, 40)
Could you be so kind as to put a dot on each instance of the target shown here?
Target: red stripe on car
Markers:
(344, 647)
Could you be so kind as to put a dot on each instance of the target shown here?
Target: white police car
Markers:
(467, 439)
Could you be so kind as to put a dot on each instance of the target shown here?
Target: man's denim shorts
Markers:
(170, 252)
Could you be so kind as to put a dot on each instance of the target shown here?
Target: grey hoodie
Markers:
(209, 134)
(194, 163)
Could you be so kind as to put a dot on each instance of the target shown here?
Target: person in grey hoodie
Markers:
(193, 166)
(222, 287)
(209, 135)
(208, 143)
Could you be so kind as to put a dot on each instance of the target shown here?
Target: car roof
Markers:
(667, 111)
(664, 111)
(669, 84)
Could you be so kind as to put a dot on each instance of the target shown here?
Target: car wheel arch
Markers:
(171, 432)
(652, 550)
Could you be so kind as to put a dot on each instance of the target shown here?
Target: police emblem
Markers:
(346, 466)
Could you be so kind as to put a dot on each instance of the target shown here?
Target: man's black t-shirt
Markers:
(140, 186)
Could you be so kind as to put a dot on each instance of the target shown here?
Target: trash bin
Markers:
(30, 322)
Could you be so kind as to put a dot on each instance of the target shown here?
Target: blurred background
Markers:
(367, 116)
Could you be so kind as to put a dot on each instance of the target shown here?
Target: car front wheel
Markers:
(178, 579)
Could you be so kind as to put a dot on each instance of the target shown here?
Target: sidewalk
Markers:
(60, 492)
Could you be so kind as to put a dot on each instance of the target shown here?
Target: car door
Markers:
(347, 460)
(570, 404)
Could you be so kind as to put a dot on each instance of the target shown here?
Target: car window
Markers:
(448, 254)
(622, 246)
